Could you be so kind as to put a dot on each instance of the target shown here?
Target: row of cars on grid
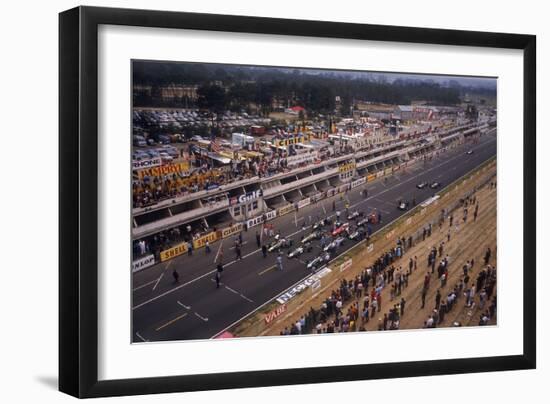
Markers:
(432, 185)
(180, 119)
(334, 234)
(405, 205)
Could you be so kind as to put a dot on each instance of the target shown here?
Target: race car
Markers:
(281, 243)
(334, 244)
(435, 185)
(354, 215)
(422, 185)
(315, 235)
(318, 261)
(363, 222)
(339, 229)
(321, 223)
(470, 152)
(297, 252)
(403, 205)
(358, 234)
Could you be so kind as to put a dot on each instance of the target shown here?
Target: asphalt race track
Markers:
(194, 309)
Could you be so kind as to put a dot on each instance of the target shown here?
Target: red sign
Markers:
(275, 313)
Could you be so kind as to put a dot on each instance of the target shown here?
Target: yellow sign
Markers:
(164, 170)
(371, 177)
(201, 241)
(286, 209)
(292, 140)
(346, 167)
(229, 231)
(173, 252)
(388, 171)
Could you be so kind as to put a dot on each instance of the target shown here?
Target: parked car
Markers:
(139, 141)
(166, 158)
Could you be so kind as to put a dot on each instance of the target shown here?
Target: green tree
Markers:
(212, 97)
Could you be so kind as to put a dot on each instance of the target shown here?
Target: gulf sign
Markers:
(250, 196)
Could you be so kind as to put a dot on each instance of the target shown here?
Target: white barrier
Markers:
(143, 263)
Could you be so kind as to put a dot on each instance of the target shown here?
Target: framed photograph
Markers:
(251, 201)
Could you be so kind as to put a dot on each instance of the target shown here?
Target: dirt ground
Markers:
(469, 240)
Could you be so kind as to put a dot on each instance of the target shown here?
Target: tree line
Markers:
(228, 87)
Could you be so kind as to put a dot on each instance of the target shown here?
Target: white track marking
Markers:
(246, 298)
(158, 280)
(141, 338)
(144, 285)
(184, 306)
(205, 319)
(231, 290)
(239, 294)
(218, 252)
(267, 270)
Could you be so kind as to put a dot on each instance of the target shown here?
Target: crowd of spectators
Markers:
(208, 174)
(363, 306)
(331, 317)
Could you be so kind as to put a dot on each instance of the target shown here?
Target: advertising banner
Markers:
(358, 182)
(254, 221)
(143, 263)
(301, 158)
(303, 285)
(272, 315)
(229, 231)
(201, 241)
(345, 265)
(272, 214)
(148, 163)
(285, 209)
(346, 167)
(304, 202)
(173, 252)
(164, 170)
(292, 140)
(250, 196)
